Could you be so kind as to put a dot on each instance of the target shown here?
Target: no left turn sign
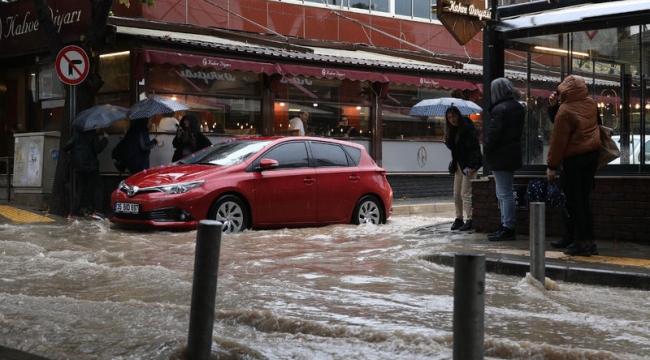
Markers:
(72, 65)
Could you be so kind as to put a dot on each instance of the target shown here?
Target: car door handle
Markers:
(354, 178)
(309, 180)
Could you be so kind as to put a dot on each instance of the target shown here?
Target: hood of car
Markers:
(173, 174)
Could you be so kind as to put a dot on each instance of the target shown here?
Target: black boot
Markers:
(501, 227)
(503, 235)
(457, 224)
(578, 250)
(466, 226)
(562, 243)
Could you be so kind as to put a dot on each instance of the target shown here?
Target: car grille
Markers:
(160, 215)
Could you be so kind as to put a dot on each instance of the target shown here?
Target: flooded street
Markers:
(87, 290)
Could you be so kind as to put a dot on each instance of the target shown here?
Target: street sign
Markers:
(72, 65)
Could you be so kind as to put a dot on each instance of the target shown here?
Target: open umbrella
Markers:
(438, 107)
(154, 105)
(98, 117)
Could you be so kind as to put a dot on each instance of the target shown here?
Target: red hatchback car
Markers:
(262, 182)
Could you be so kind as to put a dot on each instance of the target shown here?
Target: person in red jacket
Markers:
(574, 145)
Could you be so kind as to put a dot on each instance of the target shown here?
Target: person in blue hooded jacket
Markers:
(502, 149)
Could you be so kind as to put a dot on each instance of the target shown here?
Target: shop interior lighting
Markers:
(121, 53)
(561, 51)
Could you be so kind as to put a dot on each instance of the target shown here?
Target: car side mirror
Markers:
(267, 164)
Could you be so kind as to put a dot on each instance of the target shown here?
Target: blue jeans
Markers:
(506, 196)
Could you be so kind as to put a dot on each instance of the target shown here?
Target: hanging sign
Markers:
(72, 65)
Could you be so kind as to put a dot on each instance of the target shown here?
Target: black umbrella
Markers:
(154, 105)
(98, 117)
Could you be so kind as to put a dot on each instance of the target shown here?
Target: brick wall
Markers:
(421, 186)
(620, 205)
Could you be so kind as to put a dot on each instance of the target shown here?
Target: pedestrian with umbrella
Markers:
(466, 159)
(85, 146)
(137, 143)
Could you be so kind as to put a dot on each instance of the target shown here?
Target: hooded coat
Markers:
(85, 146)
(575, 129)
(502, 143)
(191, 139)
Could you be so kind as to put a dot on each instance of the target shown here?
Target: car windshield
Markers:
(226, 153)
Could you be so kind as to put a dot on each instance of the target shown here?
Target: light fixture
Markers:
(358, 107)
(315, 105)
(121, 53)
(561, 51)
(282, 104)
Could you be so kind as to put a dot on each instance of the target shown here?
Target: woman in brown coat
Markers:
(574, 145)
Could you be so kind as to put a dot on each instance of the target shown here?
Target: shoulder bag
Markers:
(608, 149)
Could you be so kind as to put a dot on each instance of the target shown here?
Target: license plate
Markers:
(130, 208)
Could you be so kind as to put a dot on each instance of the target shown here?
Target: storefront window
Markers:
(398, 124)
(326, 100)
(226, 102)
(610, 62)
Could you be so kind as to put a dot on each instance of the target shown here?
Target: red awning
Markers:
(143, 56)
(330, 73)
(431, 82)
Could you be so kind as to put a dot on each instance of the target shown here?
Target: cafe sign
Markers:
(463, 18)
(20, 32)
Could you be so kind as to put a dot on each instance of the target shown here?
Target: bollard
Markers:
(538, 241)
(204, 289)
(469, 306)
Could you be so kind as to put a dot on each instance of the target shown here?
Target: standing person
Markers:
(574, 146)
(188, 138)
(138, 145)
(461, 138)
(84, 147)
(502, 148)
(299, 122)
(344, 129)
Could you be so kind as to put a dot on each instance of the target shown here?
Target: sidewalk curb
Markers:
(565, 273)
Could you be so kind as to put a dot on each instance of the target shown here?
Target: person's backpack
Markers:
(118, 156)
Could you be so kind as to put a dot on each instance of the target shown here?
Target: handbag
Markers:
(539, 190)
(608, 149)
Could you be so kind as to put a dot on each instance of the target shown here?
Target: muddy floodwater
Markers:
(87, 290)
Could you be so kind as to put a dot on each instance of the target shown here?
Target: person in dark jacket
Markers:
(84, 147)
(138, 145)
(462, 139)
(502, 149)
(189, 138)
(574, 146)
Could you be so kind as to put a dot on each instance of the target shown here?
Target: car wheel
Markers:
(231, 212)
(368, 210)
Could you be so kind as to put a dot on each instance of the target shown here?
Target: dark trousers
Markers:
(577, 180)
(87, 180)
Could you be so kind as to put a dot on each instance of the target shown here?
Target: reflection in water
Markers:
(89, 291)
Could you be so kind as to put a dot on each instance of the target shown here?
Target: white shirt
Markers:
(296, 123)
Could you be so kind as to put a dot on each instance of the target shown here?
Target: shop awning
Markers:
(330, 73)
(143, 56)
(431, 82)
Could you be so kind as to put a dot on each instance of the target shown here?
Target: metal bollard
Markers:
(204, 289)
(537, 231)
(469, 306)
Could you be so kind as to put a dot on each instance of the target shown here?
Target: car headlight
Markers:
(179, 188)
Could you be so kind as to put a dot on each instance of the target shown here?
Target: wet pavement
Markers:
(617, 265)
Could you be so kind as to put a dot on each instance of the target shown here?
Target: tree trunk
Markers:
(85, 92)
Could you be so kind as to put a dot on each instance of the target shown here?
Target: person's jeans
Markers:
(506, 196)
(84, 180)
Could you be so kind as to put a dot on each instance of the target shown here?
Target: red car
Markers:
(261, 182)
